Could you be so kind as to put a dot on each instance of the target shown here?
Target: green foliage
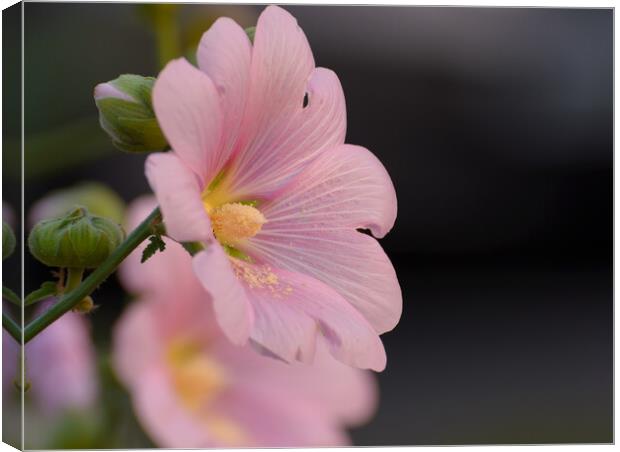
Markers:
(155, 244)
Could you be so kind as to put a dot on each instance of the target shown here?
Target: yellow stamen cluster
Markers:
(234, 222)
(196, 378)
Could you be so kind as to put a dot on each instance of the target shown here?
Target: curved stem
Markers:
(74, 278)
(12, 327)
(72, 298)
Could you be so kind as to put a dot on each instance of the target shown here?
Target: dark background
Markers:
(496, 127)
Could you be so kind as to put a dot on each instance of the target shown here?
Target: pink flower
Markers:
(60, 366)
(267, 183)
(192, 388)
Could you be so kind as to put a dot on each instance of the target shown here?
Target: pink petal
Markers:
(350, 262)
(179, 195)
(61, 365)
(162, 414)
(137, 343)
(167, 273)
(278, 421)
(347, 187)
(187, 106)
(310, 229)
(224, 55)
(280, 135)
(343, 393)
(232, 308)
(292, 309)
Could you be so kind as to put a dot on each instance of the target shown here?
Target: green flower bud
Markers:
(126, 114)
(8, 240)
(76, 240)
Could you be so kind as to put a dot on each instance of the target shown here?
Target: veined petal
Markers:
(178, 192)
(292, 310)
(233, 310)
(187, 106)
(279, 136)
(224, 55)
(311, 229)
(351, 262)
(345, 187)
(275, 157)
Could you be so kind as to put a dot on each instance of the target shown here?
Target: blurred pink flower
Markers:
(271, 179)
(192, 388)
(60, 365)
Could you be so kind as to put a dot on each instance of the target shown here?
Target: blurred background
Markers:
(496, 127)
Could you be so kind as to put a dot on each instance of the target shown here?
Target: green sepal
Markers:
(193, 248)
(234, 252)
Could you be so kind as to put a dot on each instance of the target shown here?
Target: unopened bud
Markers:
(126, 114)
(75, 240)
(85, 306)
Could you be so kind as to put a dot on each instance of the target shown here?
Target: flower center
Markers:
(196, 378)
(234, 222)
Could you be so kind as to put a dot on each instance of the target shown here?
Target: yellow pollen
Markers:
(262, 277)
(234, 222)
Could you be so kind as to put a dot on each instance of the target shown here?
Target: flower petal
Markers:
(61, 365)
(187, 106)
(281, 135)
(163, 416)
(278, 420)
(224, 54)
(178, 193)
(136, 343)
(165, 274)
(344, 394)
(342, 190)
(292, 310)
(347, 187)
(233, 310)
(351, 262)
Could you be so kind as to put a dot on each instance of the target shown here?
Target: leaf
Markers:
(156, 244)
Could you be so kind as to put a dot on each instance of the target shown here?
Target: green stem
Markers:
(74, 278)
(12, 327)
(166, 32)
(72, 298)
